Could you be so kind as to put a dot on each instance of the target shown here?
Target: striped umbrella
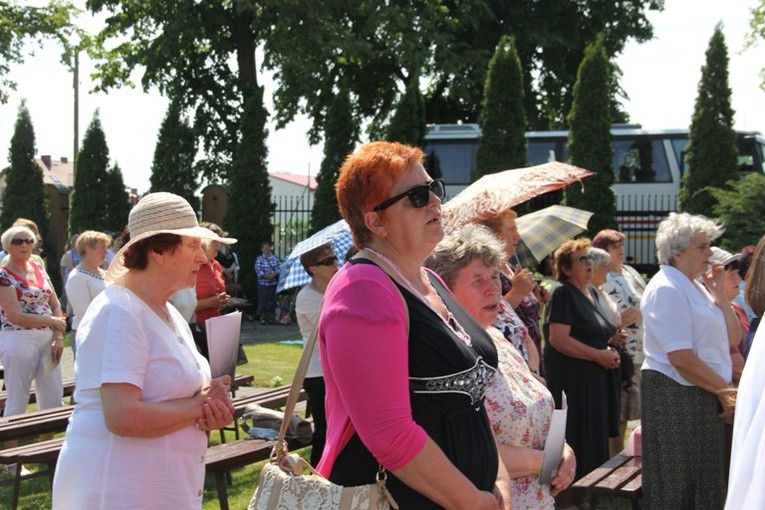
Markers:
(293, 274)
(545, 230)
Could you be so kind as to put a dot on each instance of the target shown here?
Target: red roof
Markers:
(300, 180)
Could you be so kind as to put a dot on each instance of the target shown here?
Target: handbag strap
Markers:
(280, 448)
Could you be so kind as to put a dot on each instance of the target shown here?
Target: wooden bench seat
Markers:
(68, 390)
(220, 459)
(44, 452)
(29, 425)
(620, 476)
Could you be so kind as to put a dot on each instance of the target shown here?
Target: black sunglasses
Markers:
(18, 242)
(326, 262)
(419, 196)
(584, 259)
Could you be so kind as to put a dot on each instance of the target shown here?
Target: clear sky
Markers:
(661, 78)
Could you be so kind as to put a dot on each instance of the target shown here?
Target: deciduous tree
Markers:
(711, 156)
(20, 24)
(90, 194)
(589, 141)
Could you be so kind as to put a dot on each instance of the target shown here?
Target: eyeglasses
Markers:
(584, 259)
(326, 262)
(18, 242)
(419, 196)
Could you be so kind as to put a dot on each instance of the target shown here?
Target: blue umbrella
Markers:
(293, 274)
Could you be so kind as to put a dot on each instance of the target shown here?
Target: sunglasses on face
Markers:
(326, 262)
(419, 196)
(584, 260)
(18, 242)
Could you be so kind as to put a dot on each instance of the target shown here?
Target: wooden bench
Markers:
(29, 425)
(44, 452)
(56, 420)
(620, 476)
(68, 390)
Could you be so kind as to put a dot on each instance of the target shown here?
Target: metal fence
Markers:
(291, 220)
(638, 218)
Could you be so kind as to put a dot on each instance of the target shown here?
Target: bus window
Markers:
(640, 160)
(679, 146)
(452, 161)
(746, 153)
(540, 151)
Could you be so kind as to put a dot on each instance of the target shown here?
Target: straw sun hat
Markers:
(160, 213)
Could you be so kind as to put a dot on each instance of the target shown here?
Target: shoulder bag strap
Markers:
(302, 368)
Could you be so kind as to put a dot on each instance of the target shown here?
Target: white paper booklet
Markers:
(223, 343)
(556, 438)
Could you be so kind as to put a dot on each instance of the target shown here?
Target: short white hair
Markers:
(12, 232)
(600, 257)
(674, 234)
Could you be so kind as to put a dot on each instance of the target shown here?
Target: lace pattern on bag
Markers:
(471, 382)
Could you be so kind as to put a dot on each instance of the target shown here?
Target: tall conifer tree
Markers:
(711, 157)
(173, 168)
(118, 200)
(502, 118)
(89, 196)
(25, 191)
(589, 140)
(248, 217)
(340, 135)
(408, 123)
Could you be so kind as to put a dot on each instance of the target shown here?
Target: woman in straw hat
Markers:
(145, 399)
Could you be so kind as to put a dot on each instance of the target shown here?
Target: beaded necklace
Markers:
(81, 269)
(449, 320)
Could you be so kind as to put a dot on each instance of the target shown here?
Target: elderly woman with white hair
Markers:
(689, 328)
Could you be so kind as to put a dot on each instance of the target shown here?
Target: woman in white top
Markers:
(747, 464)
(321, 264)
(145, 399)
(687, 369)
(86, 281)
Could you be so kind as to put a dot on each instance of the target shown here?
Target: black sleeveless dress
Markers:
(447, 384)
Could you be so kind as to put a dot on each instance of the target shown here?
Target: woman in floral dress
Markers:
(518, 405)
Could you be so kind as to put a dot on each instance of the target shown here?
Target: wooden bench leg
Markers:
(16, 486)
(220, 483)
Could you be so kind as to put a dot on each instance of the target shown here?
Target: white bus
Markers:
(648, 168)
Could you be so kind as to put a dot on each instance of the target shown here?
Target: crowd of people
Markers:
(440, 359)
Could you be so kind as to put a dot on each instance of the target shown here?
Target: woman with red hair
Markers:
(405, 381)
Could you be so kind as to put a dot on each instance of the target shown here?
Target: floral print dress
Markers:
(520, 409)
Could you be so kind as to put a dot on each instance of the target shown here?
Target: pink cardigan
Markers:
(364, 355)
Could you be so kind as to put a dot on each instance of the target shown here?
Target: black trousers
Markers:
(316, 390)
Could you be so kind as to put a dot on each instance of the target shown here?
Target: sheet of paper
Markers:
(223, 343)
(556, 438)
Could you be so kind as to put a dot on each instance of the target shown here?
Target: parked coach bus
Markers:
(648, 167)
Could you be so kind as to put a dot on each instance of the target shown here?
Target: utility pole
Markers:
(76, 85)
